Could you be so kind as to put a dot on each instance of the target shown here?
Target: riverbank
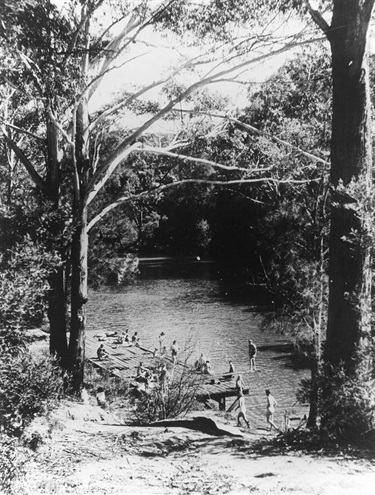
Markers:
(90, 451)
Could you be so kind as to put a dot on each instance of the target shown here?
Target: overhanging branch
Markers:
(164, 187)
(202, 161)
(266, 135)
(37, 179)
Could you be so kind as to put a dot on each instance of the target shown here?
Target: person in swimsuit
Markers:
(102, 353)
(252, 355)
(242, 412)
(271, 406)
(239, 384)
(175, 350)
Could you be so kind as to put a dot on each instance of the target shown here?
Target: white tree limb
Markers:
(164, 187)
(249, 127)
(203, 161)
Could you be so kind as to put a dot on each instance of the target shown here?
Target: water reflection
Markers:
(188, 302)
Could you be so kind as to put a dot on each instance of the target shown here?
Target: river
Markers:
(189, 302)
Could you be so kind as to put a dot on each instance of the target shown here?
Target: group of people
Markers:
(120, 338)
(163, 352)
(271, 405)
(157, 376)
(203, 364)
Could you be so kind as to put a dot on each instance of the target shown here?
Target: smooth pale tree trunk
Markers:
(349, 306)
(79, 252)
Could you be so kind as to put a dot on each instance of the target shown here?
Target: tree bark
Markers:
(56, 294)
(78, 300)
(351, 167)
(57, 316)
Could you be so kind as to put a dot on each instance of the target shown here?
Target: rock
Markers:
(201, 423)
(37, 334)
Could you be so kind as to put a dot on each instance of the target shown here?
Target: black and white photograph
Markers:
(187, 247)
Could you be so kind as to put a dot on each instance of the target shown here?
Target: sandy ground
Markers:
(87, 450)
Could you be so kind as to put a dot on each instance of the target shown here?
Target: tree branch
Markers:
(37, 179)
(164, 187)
(318, 18)
(203, 161)
(24, 131)
(101, 175)
(96, 186)
(58, 126)
(261, 133)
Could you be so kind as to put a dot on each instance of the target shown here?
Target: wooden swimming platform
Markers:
(124, 360)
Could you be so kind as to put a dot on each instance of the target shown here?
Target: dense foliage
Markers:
(346, 406)
(175, 400)
(23, 286)
(29, 387)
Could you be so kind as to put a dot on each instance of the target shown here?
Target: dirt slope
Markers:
(90, 451)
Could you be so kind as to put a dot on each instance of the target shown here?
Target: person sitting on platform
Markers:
(231, 368)
(200, 364)
(111, 334)
(102, 353)
(207, 370)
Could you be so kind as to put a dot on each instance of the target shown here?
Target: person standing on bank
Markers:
(161, 341)
(252, 355)
(271, 406)
(175, 350)
(242, 413)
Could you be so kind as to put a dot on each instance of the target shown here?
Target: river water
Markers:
(189, 302)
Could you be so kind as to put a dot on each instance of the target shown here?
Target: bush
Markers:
(177, 398)
(346, 405)
(23, 285)
(28, 388)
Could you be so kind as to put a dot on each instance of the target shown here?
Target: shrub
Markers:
(346, 405)
(177, 398)
(28, 387)
(23, 285)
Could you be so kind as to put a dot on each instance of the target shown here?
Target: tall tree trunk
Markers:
(78, 300)
(79, 251)
(349, 269)
(57, 315)
(56, 295)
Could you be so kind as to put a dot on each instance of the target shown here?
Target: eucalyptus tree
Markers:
(349, 337)
(60, 58)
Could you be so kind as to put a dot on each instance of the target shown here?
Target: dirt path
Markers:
(89, 451)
